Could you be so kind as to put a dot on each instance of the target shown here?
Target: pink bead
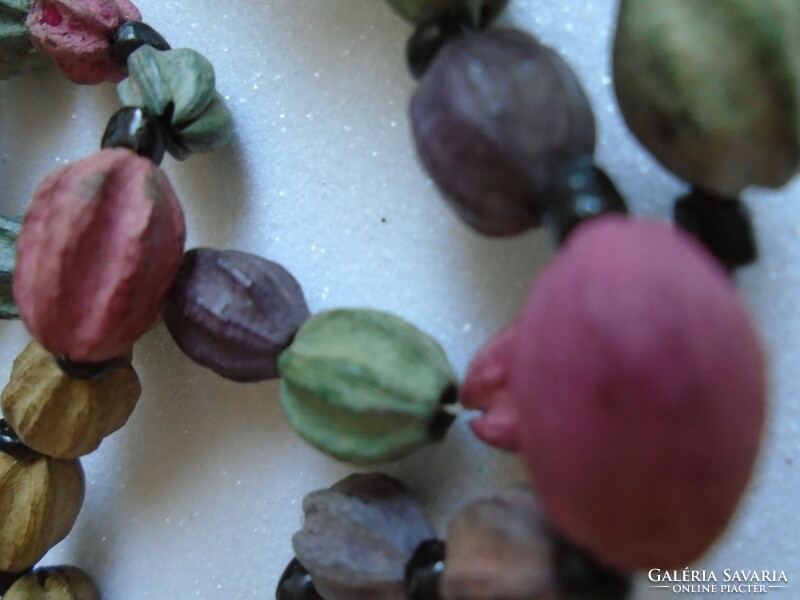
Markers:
(99, 248)
(485, 388)
(640, 390)
(77, 34)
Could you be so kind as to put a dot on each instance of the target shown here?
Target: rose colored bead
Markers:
(640, 388)
(486, 388)
(99, 248)
(77, 34)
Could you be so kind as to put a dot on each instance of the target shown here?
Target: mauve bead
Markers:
(640, 389)
(78, 35)
(496, 118)
(234, 312)
(99, 248)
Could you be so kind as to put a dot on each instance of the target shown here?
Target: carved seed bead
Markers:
(132, 35)
(8, 579)
(424, 571)
(583, 192)
(722, 225)
(496, 119)
(54, 583)
(40, 498)
(62, 416)
(9, 231)
(296, 584)
(136, 129)
(580, 576)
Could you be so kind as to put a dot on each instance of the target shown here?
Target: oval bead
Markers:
(64, 417)
(496, 118)
(711, 89)
(40, 498)
(640, 390)
(54, 583)
(178, 85)
(234, 312)
(358, 536)
(365, 386)
(77, 34)
(99, 248)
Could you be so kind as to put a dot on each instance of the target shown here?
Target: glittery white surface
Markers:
(198, 496)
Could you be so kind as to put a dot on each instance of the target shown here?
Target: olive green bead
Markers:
(419, 11)
(711, 88)
(178, 86)
(9, 230)
(365, 386)
(17, 53)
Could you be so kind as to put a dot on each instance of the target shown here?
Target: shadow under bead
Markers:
(496, 119)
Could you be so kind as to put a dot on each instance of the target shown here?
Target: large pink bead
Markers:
(640, 388)
(99, 248)
(77, 34)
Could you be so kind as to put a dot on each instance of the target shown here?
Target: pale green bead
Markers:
(365, 386)
(178, 84)
(712, 88)
(9, 230)
(419, 11)
(17, 53)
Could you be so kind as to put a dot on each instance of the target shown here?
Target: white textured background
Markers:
(198, 496)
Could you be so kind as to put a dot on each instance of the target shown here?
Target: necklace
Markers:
(322, 135)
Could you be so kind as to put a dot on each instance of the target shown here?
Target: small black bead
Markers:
(132, 35)
(10, 442)
(85, 370)
(8, 579)
(581, 577)
(443, 419)
(722, 225)
(134, 128)
(296, 584)
(583, 192)
(424, 571)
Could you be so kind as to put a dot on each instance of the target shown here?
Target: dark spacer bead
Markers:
(580, 577)
(10, 442)
(424, 571)
(85, 370)
(429, 37)
(583, 192)
(8, 579)
(722, 225)
(134, 128)
(443, 420)
(296, 584)
(132, 35)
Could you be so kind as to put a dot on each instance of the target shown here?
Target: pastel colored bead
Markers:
(54, 583)
(9, 230)
(77, 34)
(640, 388)
(712, 89)
(99, 248)
(61, 416)
(485, 388)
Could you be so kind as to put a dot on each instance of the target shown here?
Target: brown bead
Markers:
(496, 118)
(61, 416)
(40, 498)
(54, 583)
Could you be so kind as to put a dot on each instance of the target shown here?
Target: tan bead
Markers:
(499, 548)
(61, 416)
(54, 583)
(40, 498)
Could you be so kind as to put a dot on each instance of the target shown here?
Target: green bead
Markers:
(178, 86)
(419, 11)
(9, 230)
(17, 53)
(365, 386)
(712, 89)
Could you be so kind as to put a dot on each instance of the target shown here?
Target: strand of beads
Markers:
(105, 233)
